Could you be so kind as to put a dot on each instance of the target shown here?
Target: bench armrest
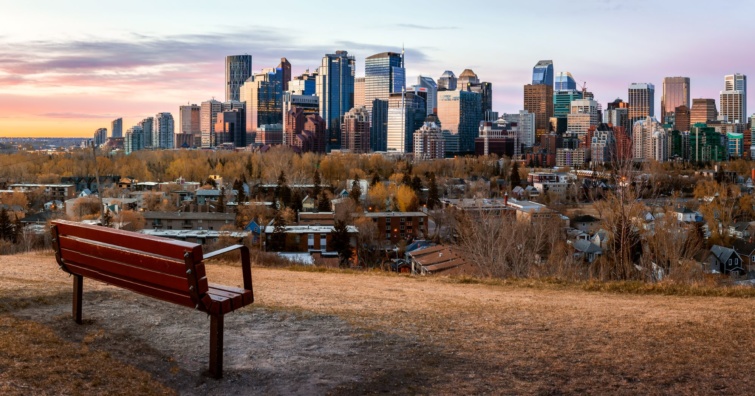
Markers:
(246, 266)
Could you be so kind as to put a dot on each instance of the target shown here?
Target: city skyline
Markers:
(72, 72)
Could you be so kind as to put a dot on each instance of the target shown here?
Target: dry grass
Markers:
(468, 335)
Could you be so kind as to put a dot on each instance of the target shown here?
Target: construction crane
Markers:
(584, 88)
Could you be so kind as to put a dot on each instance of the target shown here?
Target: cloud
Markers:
(76, 115)
(424, 27)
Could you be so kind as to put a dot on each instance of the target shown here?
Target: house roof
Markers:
(683, 210)
(585, 219)
(721, 253)
(188, 216)
(587, 247)
(441, 258)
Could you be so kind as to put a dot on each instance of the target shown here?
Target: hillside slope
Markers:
(341, 333)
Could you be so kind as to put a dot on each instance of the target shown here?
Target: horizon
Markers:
(72, 71)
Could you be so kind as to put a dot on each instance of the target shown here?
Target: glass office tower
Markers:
(238, 68)
(335, 90)
(460, 113)
(383, 75)
(565, 82)
(542, 73)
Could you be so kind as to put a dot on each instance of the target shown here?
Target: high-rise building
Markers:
(675, 94)
(702, 111)
(116, 128)
(100, 136)
(428, 85)
(238, 68)
(310, 104)
(738, 82)
(447, 81)
(406, 113)
(705, 144)
(565, 82)
(732, 105)
(735, 142)
(335, 89)
(584, 114)
(562, 102)
(231, 128)
(498, 137)
(304, 84)
(208, 116)
(641, 102)
(468, 81)
(164, 129)
(134, 140)
(643, 145)
(355, 131)
(682, 118)
(188, 120)
(285, 68)
(359, 92)
(542, 73)
(538, 99)
(525, 126)
(460, 113)
(428, 142)
(384, 74)
(305, 132)
(602, 145)
(147, 126)
(263, 95)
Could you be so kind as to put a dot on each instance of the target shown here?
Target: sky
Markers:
(68, 68)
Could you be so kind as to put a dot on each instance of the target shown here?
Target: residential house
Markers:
(740, 230)
(685, 214)
(586, 250)
(724, 260)
(187, 220)
(398, 226)
(308, 204)
(746, 250)
(586, 223)
(304, 238)
(440, 259)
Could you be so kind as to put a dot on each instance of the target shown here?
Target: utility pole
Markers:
(99, 186)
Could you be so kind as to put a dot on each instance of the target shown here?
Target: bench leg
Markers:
(78, 286)
(216, 346)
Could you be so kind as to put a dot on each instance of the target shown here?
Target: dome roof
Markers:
(448, 73)
(468, 73)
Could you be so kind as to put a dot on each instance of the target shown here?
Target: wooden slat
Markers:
(160, 294)
(154, 245)
(246, 294)
(115, 253)
(128, 272)
(236, 300)
(225, 302)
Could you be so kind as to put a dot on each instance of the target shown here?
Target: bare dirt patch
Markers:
(335, 333)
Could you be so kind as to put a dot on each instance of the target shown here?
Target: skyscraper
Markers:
(682, 118)
(406, 113)
(643, 132)
(384, 74)
(565, 82)
(147, 125)
(355, 131)
(468, 81)
(208, 116)
(231, 128)
(641, 102)
(525, 126)
(538, 99)
(447, 81)
(675, 94)
(428, 142)
(134, 140)
(359, 92)
(285, 68)
(583, 115)
(163, 131)
(263, 96)
(188, 121)
(335, 89)
(460, 113)
(116, 128)
(238, 68)
(542, 73)
(702, 111)
(734, 98)
(427, 84)
(100, 136)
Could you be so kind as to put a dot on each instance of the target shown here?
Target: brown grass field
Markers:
(329, 332)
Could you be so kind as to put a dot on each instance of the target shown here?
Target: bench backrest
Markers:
(162, 268)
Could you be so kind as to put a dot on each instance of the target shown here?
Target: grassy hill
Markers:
(352, 333)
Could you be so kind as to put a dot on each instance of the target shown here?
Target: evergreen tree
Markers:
(18, 229)
(316, 181)
(515, 179)
(356, 192)
(6, 228)
(220, 208)
(375, 179)
(238, 186)
(340, 242)
(417, 184)
(278, 238)
(406, 180)
(323, 203)
(282, 190)
(296, 204)
(433, 197)
(211, 182)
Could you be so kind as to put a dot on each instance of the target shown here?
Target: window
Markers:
(323, 242)
(310, 241)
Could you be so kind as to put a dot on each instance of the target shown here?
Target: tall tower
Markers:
(538, 99)
(702, 111)
(116, 128)
(163, 131)
(734, 98)
(238, 68)
(384, 74)
(428, 85)
(447, 81)
(285, 68)
(641, 101)
(263, 95)
(542, 73)
(335, 90)
(675, 94)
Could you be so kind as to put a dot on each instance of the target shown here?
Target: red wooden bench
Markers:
(161, 268)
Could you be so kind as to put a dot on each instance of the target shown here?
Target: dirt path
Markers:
(321, 333)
